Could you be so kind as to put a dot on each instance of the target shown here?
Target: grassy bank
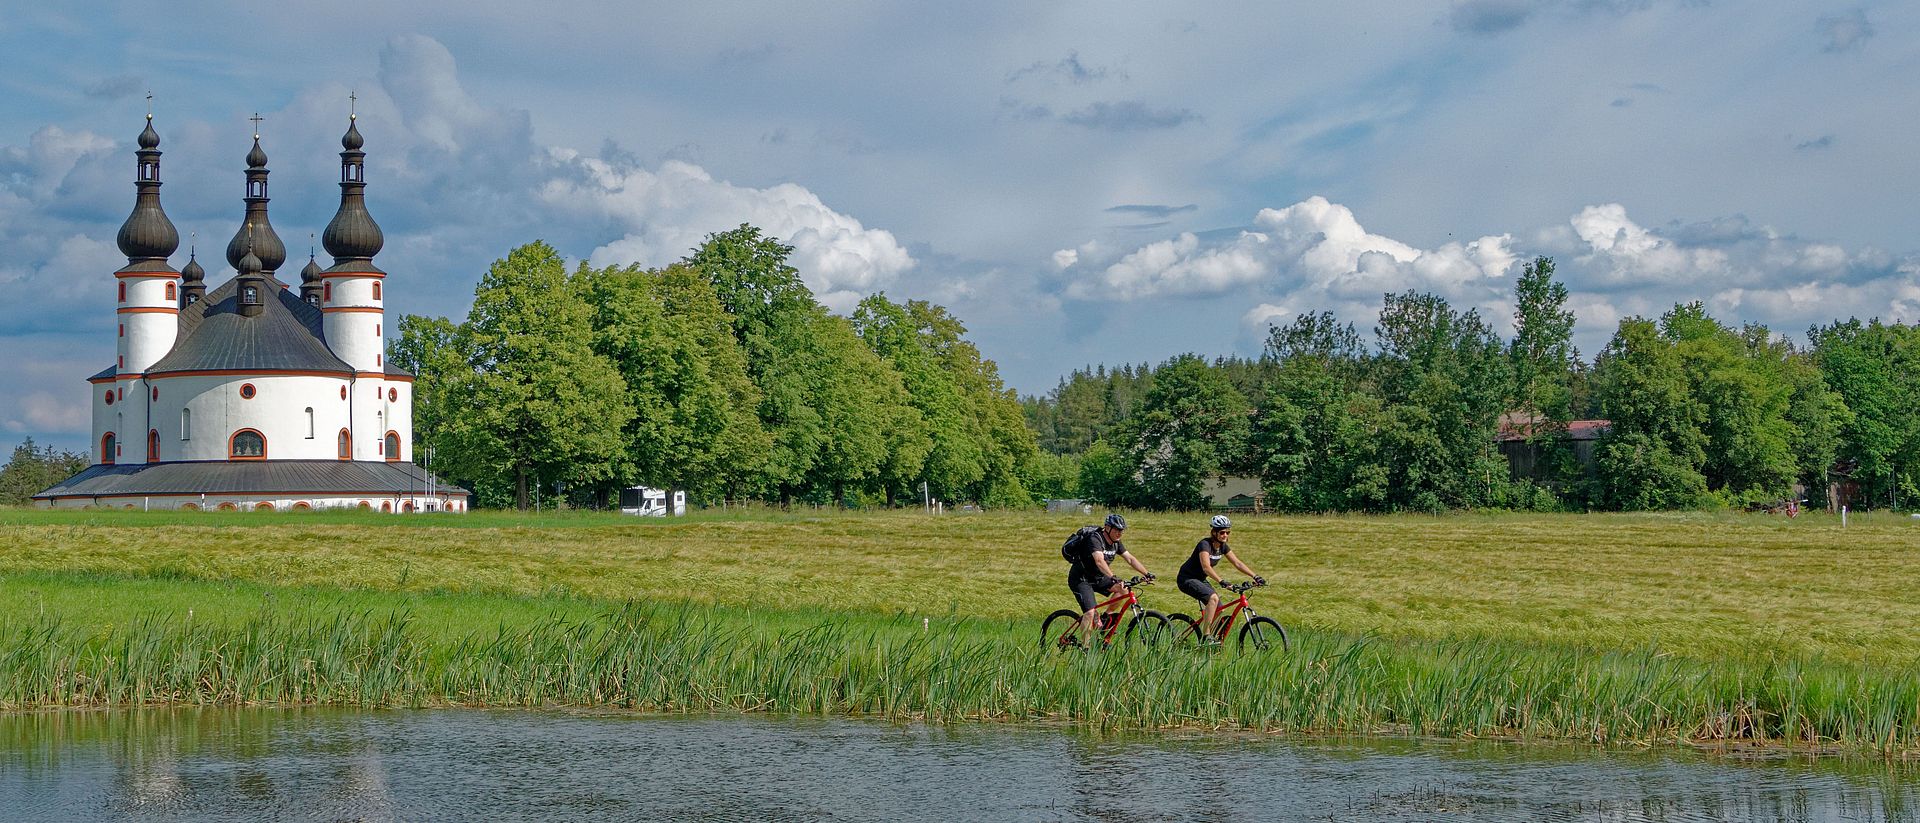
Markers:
(310, 648)
(1689, 584)
(1644, 628)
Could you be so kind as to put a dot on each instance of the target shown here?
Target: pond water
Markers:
(328, 765)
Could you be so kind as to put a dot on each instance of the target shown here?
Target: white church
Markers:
(252, 395)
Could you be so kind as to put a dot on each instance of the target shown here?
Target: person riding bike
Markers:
(1200, 566)
(1090, 551)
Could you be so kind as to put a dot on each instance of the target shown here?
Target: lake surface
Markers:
(330, 765)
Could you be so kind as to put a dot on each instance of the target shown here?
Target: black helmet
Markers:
(1116, 522)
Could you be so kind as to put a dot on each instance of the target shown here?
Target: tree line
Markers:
(1696, 413)
(720, 375)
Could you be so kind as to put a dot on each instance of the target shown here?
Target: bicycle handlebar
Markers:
(1241, 588)
(1137, 581)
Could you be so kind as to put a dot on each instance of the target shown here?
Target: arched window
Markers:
(186, 424)
(346, 445)
(263, 507)
(247, 444)
(225, 507)
(302, 506)
(376, 290)
(153, 445)
(249, 295)
(171, 294)
(386, 506)
(107, 445)
(406, 506)
(309, 422)
(393, 446)
(190, 507)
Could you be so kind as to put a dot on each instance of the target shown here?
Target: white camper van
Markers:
(650, 502)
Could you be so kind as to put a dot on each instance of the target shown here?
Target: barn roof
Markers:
(288, 477)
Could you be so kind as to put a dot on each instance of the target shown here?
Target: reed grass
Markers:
(694, 658)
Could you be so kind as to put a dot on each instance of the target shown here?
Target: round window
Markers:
(246, 391)
(109, 397)
(343, 392)
(393, 395)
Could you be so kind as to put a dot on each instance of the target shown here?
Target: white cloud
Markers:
(668, 212)
(1314, 245)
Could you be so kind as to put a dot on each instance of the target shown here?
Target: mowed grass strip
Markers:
(1699, 585)
(298, 646)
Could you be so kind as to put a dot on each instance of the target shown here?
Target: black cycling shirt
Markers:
(1097, 542)
(1191, 570)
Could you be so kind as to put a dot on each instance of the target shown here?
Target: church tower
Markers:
(351, 288)
(148, 312)
(256, 231)
(149, 302)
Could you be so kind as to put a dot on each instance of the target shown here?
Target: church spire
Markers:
(148, 234)
(264, 243)
(193, 281)
(312, 289)
(352, 237)
(253, 287)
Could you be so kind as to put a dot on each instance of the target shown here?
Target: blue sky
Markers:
(1079, 182)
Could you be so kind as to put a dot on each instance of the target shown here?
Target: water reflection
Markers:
(293, 764)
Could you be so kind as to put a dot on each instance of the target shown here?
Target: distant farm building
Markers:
(1523, 440)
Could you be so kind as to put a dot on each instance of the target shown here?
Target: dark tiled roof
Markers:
(287, 334)
(104, 373)
(315, 477)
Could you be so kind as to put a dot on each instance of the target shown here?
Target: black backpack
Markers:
(1075, 547)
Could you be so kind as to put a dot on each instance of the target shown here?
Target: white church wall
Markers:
(277, 410)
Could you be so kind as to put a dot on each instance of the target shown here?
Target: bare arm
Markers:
(1135, 563)
(1235, 560)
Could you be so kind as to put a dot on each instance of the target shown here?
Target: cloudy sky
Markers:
(1080, 182)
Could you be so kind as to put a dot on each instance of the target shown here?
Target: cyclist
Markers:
(1201, 565)
(1090, 551)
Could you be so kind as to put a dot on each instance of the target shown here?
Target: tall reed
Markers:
(685, 658)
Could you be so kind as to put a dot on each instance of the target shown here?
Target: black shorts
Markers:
(1197, 588)
(1090, 590)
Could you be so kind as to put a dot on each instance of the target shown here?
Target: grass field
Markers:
(1696, 626)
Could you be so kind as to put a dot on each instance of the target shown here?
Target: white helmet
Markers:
(1220, 521)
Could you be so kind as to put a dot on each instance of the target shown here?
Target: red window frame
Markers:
(390, 446)
(236, 436)
(108, 445)
(345, 444)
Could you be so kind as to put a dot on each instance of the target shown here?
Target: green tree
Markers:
(1106, 476)
(538, 404)
(1190, 426)
(434, 350)
(33, 470)
(1315, 439)
(1875, 369)
(773, 318)
(693, 426)
(1740, 385)
(1650, 457)
(1444, 378)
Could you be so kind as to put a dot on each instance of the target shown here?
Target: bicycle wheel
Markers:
(1261, 634)
(1061, 631)
(1186, 630)
(1150, 628)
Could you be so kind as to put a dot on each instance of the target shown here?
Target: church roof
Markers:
(287, 335)
(290, 477)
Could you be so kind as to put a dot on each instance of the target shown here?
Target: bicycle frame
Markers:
(1223, 627)
(1133, 604)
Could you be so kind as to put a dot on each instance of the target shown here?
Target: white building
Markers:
(252, 395)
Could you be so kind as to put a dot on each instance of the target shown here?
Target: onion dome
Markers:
(352, 237)
(265, 244)
(252, 294)
(148, 235)
(193, 282)
(310, 283)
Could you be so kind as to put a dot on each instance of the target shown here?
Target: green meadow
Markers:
(1678, 628)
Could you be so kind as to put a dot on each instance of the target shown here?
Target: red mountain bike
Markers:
(1259, 633)
(1148, 627)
